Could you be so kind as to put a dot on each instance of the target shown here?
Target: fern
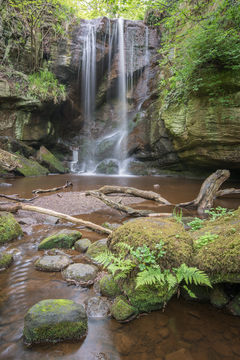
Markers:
(190, 292)
(150, 276)
(191, 275)
(105, 258)
(171, 281)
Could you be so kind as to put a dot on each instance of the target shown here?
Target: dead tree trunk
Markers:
(148, 195)
(208, 191)
(118, 206)
(41, 210)
(225, 192)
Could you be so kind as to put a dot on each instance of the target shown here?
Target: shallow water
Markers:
(205, 332)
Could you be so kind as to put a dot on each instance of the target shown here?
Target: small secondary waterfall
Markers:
(110, 63)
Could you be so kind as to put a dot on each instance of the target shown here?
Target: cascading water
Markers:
(110, 59)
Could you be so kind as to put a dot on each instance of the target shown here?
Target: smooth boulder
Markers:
(80, 272)
(52, 263)
(52, 321)
(9, 228)
(82, 245)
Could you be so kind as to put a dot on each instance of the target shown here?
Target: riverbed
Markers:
(193, 329)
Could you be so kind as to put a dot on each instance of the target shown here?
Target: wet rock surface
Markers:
(62, 239)
(80, 272)
(52, 263)
(98, 307)
(54, 321)
(82, 245)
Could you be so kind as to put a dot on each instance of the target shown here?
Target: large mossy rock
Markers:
(149, 231)
(121, 310)
(64, 239)
(109, 287)
(52, 321)
(221, 257)
(30, 167)
(47, 159)
(5, 260)
(9, 228)
(96, 248)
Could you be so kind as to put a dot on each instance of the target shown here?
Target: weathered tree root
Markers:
(41, 191)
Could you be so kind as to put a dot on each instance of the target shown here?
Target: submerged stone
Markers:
(52, 321)
(64, 239)
(121, 310)
(234, 305)
(80, 272)
(5, 260)
(9, 228)
(109, 287)
(218, 297)
(52, 263)
(82, 245)
(98, 307)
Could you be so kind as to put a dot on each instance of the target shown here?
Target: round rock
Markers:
(52, 263)
(52, 321)
(82, 245)
(98, 307)
(80, 272)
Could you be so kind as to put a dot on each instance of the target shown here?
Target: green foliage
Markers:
(205, 239)
(201, 43)
(218, 212)
(143, 262)
(177, 215)
(196, 224)
(45, 86)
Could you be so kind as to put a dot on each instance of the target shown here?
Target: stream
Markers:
(198, 330)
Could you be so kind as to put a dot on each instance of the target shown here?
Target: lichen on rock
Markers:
(9, 228)
(64, 239)
(5, 260)
(121, 310)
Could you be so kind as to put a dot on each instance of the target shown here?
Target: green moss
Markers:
(96, 248)
(147, 298)
(218, 297)
(109, 287)
(9, 228)
(62, 240)
(150, 232)
(121, 310)
(54, 321)
(28, 167)
(48, 160)
(221, 256)
(5, 260)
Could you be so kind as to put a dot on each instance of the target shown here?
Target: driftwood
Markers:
(208, 191)
(148, 195)
(41, 191)
(117, 205)
(72, 219)
(12, 197)
(226, 192)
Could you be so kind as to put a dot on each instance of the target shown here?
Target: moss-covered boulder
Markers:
(9, 228)
(218, 297)
(5, 260)
(96, 248)
(109, 287)
(82, 245)
(149, 231)
(64, 239)
(48, 160)
(52, 321)
(80, 272)
(29, 167)
(220, 257)
(52, 263)
(121, 310)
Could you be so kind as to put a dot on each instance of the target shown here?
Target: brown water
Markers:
(207, 333)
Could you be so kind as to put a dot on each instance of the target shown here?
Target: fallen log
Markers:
(117, 205)
(41, 191)
(148, 195)
(224, 192)
(12, 197)
(69, 218)
(208, 191)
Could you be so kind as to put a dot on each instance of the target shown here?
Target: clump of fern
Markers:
(144, 264)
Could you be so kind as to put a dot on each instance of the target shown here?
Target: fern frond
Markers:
(171, 281)
(190, 292)
(105, 258)
(124, 246)
(150, 276)
(192, 275)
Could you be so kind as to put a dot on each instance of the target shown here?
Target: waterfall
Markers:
(111, 62)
